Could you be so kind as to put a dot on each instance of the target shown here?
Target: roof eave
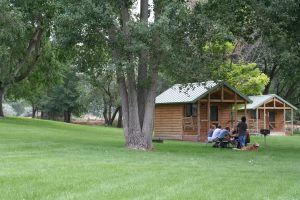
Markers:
(207, 92)
(291, 105)
(237, 92)
(220, 83)
(272, 96)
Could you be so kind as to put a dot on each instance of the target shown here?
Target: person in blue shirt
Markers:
(210, 133)
(224, 133)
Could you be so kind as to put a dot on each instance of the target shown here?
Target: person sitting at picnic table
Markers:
(234, 138)
(210, 133)
(216, 133)
(225, 134)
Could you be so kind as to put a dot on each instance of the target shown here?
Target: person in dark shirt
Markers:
(242, 131)
(247, 141)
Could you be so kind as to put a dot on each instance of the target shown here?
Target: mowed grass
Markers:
(53, 160)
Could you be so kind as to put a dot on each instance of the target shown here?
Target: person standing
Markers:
(242, 131)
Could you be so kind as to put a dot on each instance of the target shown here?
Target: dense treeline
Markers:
(71, 57)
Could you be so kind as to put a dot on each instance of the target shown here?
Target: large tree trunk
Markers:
(142, 68)
(124, 101)
(34, 109)
(67, 116)
(128, 90)
(132, 129)
(109, 115)
(138, 98)
(33, 50)
(119, 125)
(106, 121)
(148, 124)
(271, 73)
(1, 101)
(111, 120)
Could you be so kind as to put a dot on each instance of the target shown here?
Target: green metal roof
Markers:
(192, 92)
(259, 100)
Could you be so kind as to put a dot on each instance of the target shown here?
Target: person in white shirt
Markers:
(216, 133)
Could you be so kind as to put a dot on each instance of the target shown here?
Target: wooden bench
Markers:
(158, 140)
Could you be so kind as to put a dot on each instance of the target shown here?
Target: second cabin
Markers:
(269, 112)
(185, 112)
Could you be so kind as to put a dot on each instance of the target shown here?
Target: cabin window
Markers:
(214, 115)
(191, 110)
(271, 116)
(253, 114)
(272, 119)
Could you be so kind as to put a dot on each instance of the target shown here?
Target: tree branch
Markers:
(33, 48)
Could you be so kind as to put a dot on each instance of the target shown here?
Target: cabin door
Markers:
(214, 114)
(272, 119)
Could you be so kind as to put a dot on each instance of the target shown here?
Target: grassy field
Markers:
(52, 160)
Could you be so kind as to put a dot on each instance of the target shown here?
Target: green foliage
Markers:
(64, 97)
(47, 74)
(251, 19)
(19, 20)
(26, 28)
(93, 29)
(246, 78)
(12, 36)
(266, 33)
(184, 35)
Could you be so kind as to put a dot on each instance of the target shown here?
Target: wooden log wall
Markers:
(225, 114)
(168, 119)
(203, 118)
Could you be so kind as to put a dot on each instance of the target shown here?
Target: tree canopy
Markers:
(25, 25)
(127, 48)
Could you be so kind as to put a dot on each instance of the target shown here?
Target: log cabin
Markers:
(185, 112)
(269, 112)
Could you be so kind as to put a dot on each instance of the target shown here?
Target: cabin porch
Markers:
(274, 115)
(191, 121)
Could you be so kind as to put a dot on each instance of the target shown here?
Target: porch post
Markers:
(235, 110)
(222, 93)
(208, 112)
(292, 118)
(198, 120)
(245, 106)
(284, 123)
(264, 116)
(257, 120)
(182, 116)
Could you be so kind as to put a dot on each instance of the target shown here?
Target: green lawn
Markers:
(53, 160)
